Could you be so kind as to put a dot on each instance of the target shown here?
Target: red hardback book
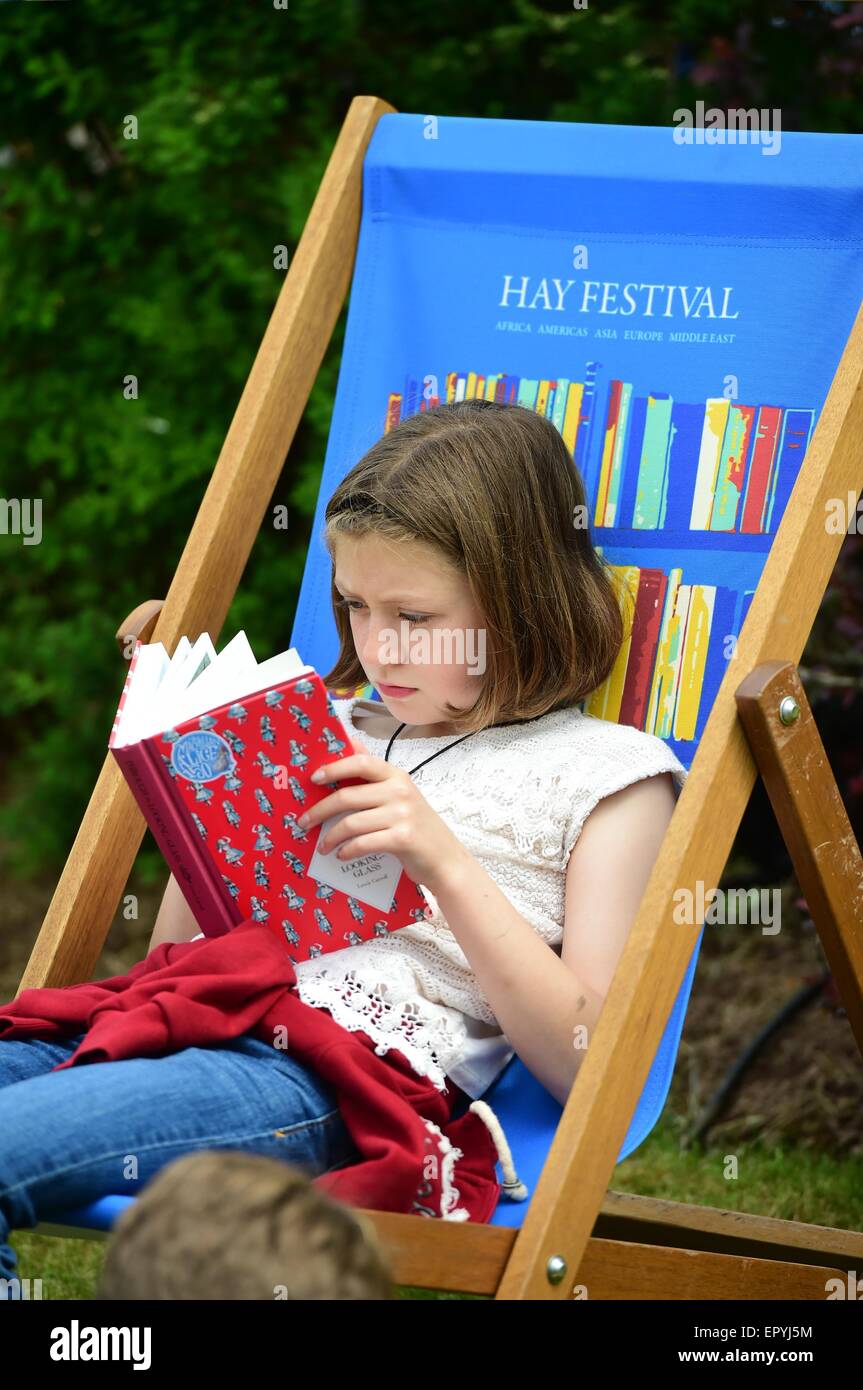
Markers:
(221, 791)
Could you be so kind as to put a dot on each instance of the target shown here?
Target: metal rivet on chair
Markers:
(789, 710)
(555, 1269)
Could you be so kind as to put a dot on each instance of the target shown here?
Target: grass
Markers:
(787, 1181)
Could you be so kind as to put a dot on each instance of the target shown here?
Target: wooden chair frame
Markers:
(578, 1238)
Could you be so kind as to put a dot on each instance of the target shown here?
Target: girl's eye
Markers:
(410, 617)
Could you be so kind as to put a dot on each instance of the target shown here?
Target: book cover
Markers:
(222, 792)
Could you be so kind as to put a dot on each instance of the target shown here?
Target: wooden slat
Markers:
(238, 495)
(429, 1254)
(813, 821)
(472, 1258)
(658, 1221)
(613, 1269)
(468, 1258)
(696, 846)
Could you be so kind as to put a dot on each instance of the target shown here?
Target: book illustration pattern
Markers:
(244, 794)
(705, 480)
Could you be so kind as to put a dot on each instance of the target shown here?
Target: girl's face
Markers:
(415, 625)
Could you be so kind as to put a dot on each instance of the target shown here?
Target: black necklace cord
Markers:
(412, 770)
(504, 724)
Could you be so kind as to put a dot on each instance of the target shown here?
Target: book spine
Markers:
(716, 411)
(225, 912)
(528, 391)
(763, 454)
(571, 414)
(584, 452)
(174, 836)
(795, 441)
(621, 431)
(394, 410)
(652, 488)
(649, 602)
(693, 661)
(732, 468)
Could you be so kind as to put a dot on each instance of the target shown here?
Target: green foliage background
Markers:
(154, 257)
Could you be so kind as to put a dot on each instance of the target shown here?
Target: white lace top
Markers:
(516, 798)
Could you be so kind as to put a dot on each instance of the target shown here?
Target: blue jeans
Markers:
(69, 1137)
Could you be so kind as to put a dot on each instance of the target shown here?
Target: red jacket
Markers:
(197, 993)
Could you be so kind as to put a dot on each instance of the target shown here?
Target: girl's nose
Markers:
(373, 644)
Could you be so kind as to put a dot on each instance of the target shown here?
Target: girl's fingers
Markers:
(364, 822)
(365, 844)
(339, 801)
(357, 765)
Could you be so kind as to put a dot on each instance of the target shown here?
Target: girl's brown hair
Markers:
(494, 489)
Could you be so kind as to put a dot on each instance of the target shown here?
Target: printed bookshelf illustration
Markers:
(598, 276)
(650, 462)
(674, 656)
(701, 486)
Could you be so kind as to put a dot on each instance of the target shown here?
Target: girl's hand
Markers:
(387, 815)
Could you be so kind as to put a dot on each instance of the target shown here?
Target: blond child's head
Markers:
(221, 1224)
(463, 532)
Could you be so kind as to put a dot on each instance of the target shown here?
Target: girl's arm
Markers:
(174, 920)
(547, 1003)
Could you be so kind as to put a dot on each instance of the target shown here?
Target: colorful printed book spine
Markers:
(646, 624)
(797, 428)
(732, 468)
(716, 411)
(760, 469)
(650, 496)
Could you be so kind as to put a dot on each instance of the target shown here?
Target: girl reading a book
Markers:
(468, 593)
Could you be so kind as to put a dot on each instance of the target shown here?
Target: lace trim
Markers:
(420, 962)
(449, 1208)
(427, 960)
(423, 1041)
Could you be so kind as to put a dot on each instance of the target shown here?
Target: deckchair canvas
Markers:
(680, 314)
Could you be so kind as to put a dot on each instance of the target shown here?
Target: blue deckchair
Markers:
(679, 313)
